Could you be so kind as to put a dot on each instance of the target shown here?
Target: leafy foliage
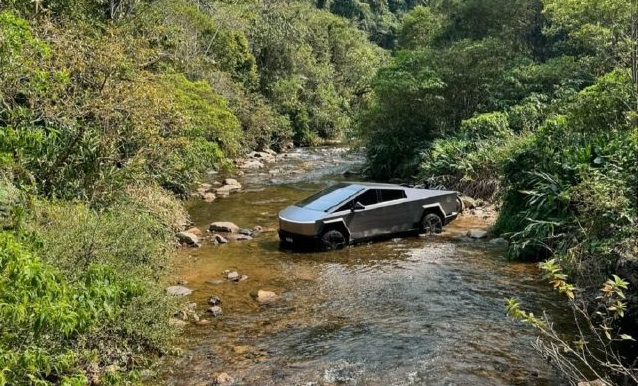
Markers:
(592, 352)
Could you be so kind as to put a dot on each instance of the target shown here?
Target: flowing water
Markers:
(409, 311)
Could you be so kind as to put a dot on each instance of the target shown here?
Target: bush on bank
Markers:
(81, 298)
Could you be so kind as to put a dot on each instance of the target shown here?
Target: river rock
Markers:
(239, 237)
(196, 231)
(244, 231)
(250, 164)
(202, 322)
(219, 239)
(262, 155)
(179, 290)
(224, 191)
(214, 301)
(233, 276)
(215, 311)
(499, 241)
(232, 182)
(209, 197)
(266, 297)
(241, 349)
(223, 226)
(223, 379)
(188, 238)
(204, 187)
(216, 282)
(477, 233)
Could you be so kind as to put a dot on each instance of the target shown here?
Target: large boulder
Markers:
(223, 226)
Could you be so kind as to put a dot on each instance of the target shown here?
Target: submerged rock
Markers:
(499, 241)
(215, 311)
(233, 276)
(266, 297)
(223, 226)
(223, 379)
(209, 197)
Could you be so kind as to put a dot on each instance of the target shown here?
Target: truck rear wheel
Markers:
(431, 224)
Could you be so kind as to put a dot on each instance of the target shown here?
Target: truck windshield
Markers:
(330, 197)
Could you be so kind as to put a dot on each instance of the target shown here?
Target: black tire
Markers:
(431, 224)
(333, 240)
(459, 205)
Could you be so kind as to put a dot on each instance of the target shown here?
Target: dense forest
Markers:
(111, 110)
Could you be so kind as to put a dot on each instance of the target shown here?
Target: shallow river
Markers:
(410, 311)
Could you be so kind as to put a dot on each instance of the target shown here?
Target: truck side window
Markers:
(391, 194)
(368, 197)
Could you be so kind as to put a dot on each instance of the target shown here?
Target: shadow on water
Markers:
(409, 311)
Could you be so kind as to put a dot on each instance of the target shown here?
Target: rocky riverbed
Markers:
(408, 311)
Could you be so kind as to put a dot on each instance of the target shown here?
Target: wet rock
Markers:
(224, 191)
(178, 290)
(209, 197)
(205, 187)
(250, 164)
(241, 349)
(214, 301)
(219, 239)
(231, 182)
(196, 231)
(262, 155)
(223, 226)
(174, 322)
(215, 282)
(499, 241)
(239, 237)
(233, 276)
(202, 322)
(266, 297)
(477, 233)
(244, 231)
(188, 238)
(223, 379)
(215, 311)
(243, 277)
